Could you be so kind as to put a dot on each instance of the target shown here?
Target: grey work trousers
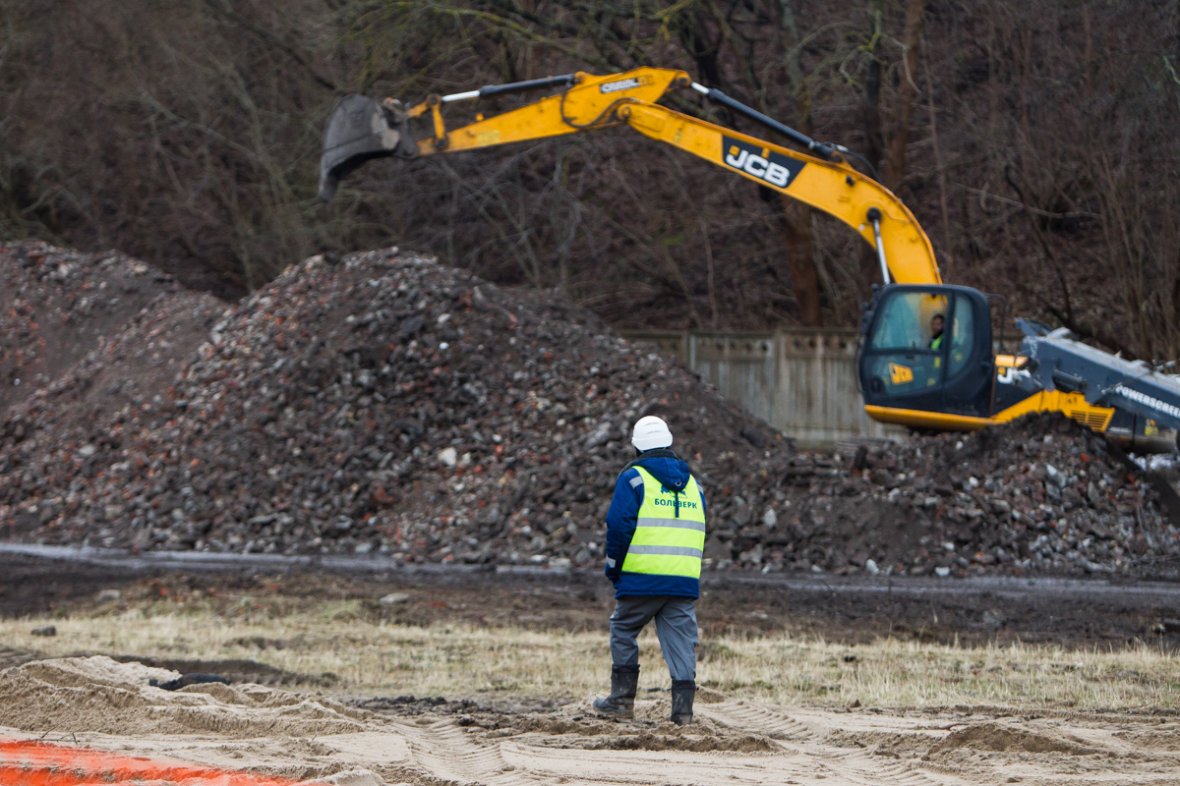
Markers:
(676, 628)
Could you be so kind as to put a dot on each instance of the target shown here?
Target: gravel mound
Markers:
(383, 403)
(1042, 495)
(56, 305)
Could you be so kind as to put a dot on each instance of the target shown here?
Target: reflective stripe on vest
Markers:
(669, 535)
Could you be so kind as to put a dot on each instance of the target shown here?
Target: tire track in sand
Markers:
(856, 766)
(448, 752)
(802, 748)
(445, 751)
(799, 754)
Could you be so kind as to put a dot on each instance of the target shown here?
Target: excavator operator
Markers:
(936, 323)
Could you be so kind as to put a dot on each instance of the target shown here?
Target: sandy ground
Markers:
(98, 704)
(309, 734)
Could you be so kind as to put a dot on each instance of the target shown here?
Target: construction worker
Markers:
(936, 323)
(655, 538)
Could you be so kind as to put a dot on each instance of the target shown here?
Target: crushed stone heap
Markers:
(1042, 495)
(383, 403)
(57, 304)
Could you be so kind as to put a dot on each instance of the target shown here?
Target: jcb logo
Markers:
(900, 375)
(775, 169)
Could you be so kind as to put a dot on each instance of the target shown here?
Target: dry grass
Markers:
(460, 661)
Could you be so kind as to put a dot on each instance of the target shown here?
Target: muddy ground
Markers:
(1083, 614)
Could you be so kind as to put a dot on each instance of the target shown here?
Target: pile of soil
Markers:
(384, 403)
(78, 693)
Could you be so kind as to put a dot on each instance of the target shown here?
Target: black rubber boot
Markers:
(624, 681)
(683, 692)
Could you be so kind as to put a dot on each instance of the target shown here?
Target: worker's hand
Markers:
(611, 570)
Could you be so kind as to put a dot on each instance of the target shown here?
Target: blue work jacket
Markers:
(621, 520)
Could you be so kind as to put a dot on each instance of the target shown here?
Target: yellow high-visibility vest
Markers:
(669, 535)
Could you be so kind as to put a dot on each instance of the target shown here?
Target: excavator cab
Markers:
(926, 353)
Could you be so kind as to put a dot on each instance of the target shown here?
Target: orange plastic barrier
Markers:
(32, 763)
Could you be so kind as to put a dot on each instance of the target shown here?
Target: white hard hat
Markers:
(650, 433)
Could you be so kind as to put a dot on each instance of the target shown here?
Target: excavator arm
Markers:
(961, 384)
(361, 129)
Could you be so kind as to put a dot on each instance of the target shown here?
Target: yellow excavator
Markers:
(926, 357)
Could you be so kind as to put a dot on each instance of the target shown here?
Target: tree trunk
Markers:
(894, 169)
(797, 235)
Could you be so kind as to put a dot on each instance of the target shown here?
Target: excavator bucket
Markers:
(358, 130)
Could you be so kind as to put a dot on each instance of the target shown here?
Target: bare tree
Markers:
(1038, 134)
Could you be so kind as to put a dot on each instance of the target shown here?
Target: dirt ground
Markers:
(287, 728)
(854, 609)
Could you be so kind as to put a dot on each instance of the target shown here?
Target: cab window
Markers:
(962, 332)
(908, 321)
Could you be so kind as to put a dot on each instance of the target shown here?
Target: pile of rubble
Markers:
(377, 403)
(1043, 495)
(383, 403)
(57, 305)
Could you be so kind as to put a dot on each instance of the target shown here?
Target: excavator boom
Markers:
(361, 129)
(834, 187)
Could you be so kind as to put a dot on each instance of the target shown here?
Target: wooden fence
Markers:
(801, 381)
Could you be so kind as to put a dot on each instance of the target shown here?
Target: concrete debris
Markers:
(385, 404)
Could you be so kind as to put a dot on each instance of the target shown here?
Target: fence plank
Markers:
(802, 381)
